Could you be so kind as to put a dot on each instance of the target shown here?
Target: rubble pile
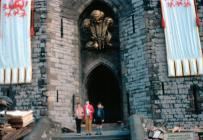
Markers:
(160, 132)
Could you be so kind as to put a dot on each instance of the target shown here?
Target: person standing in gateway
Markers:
(88, 116)
(99, 117)
(79, 114)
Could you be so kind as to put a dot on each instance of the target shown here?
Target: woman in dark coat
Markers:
(99, 118)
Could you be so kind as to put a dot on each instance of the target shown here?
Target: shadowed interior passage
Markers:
(103, 86)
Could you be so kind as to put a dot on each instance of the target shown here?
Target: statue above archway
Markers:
(98, 25)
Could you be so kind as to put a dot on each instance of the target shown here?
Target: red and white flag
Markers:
(15, 42)
(184, 54)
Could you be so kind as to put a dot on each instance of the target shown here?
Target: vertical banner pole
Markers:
(162, 17)
(32, 18)
(197, 15)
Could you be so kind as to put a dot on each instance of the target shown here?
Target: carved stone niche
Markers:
(98, 27)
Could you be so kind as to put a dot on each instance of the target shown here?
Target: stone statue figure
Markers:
(98, 26)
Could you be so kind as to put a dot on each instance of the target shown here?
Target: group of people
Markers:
(88, 114)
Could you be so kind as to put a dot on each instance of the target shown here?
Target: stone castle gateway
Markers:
(129, 77)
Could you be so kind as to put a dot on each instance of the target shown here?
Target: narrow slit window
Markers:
(61, 27)
(133, 23)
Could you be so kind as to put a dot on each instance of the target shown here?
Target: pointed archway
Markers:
(103, 86)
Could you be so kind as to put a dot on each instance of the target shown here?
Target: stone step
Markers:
(107, 135)
(106, 126)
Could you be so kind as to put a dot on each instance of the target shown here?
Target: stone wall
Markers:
(63, 63)
(171, 97)
(151, 92)
(134, 62)
(32, 96)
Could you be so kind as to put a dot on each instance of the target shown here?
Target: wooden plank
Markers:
(17, 134)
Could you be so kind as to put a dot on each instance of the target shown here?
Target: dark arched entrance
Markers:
(103, 86)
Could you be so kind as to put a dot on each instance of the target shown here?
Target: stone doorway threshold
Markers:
(111, 131)
(108, 126)
(107, 135)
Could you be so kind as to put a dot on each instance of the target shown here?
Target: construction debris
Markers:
(160, 132)
(19, 119)
(18, 124)
(9, 133)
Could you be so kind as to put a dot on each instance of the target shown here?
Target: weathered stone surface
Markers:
(141, 61)
(136, 128)
(168, 99)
